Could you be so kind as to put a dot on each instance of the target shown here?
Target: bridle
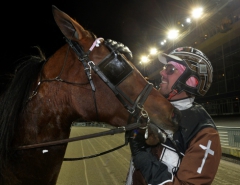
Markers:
(112, 79)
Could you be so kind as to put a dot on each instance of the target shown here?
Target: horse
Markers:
(83, 80)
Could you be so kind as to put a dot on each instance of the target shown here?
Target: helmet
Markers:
(197, 65)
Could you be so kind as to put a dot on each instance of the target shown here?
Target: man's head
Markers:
(186, 71)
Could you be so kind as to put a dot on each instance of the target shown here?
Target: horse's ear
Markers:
(69, 27)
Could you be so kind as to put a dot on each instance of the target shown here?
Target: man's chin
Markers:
(164, 94)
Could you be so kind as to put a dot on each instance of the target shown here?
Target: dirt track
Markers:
(111, 168)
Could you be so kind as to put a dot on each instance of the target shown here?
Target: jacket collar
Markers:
(183, 104)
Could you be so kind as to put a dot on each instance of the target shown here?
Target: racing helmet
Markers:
(197, 66)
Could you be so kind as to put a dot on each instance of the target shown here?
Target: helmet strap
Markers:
(172, 94)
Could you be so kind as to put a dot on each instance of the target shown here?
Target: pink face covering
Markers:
(192, 81)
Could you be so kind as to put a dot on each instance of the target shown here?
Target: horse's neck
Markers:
(44, 115)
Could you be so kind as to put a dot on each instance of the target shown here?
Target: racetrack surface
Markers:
(112, 168)
(107, 169)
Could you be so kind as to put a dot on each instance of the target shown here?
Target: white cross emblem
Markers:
(207, 151)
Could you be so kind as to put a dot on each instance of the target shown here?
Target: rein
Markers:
(118, 130)
(135, 110)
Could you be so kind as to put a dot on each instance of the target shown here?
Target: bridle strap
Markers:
(83, 57)
(140, 101)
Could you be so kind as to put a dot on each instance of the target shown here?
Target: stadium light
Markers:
(144, 59)
(173, 34)
(188, 20)
(197, 12)
(153, 51)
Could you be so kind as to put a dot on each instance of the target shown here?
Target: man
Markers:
(193, 153)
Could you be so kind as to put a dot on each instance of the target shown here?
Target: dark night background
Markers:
(138, 24)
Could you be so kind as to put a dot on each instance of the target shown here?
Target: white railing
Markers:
(229, 136)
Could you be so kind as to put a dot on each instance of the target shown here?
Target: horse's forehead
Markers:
(98, 53)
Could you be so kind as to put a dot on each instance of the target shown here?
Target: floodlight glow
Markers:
(173, 34)
(153, 51)
(197, 12)
(162, 43)
(144, 59)
(188, 20)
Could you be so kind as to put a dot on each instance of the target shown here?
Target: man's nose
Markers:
(162, 72)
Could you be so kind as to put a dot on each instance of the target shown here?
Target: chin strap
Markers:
(172, 93)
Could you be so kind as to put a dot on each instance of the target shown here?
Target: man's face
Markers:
(169, 76)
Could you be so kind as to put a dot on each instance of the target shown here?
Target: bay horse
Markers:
(84, 79)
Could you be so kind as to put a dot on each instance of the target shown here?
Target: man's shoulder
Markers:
(193, 120)
(195, 114)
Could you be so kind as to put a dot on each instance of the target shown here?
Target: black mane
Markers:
(15, 97)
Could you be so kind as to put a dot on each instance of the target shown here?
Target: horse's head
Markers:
(116, 84)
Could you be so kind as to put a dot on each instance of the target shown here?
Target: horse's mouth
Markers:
(174, 121)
